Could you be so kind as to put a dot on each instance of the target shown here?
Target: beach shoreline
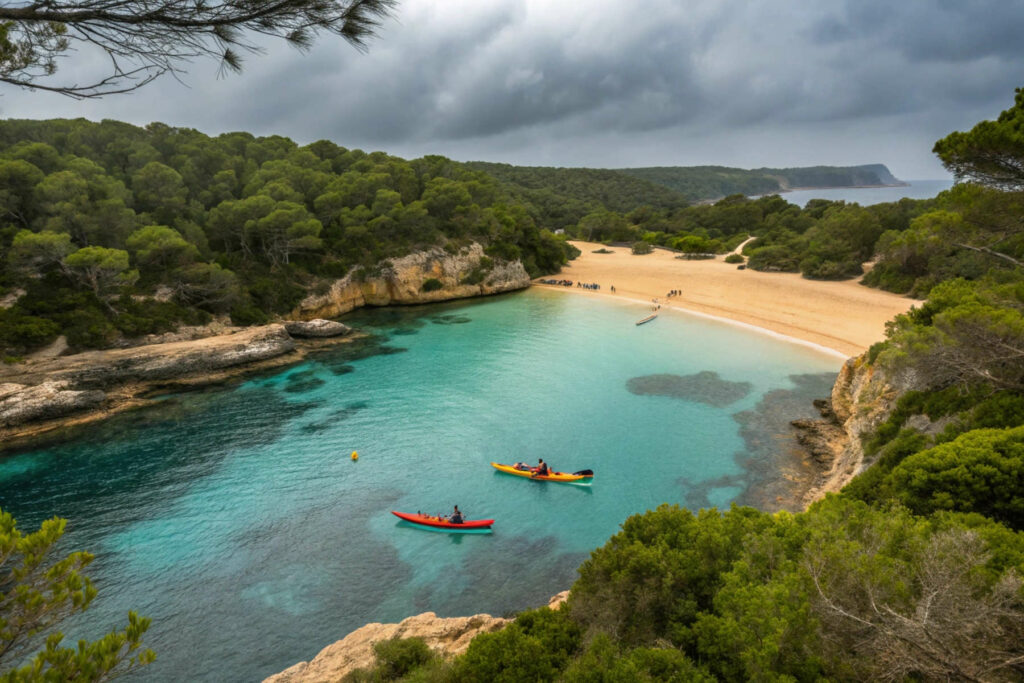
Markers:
(842, 318)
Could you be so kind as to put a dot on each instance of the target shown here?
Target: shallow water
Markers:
(238, 522)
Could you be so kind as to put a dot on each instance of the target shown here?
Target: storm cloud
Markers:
(609, 84)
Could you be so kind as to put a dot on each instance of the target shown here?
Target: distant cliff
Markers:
(712, 182)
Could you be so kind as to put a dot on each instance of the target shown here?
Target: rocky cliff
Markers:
(448, 637)
(863, 396)
(409, 280)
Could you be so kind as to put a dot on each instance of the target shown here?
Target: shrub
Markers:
(398, 657)
(535, 647)
(734, 258)
(432, 285)
(247, 314)
(640, 248)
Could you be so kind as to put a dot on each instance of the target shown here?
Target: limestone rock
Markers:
(557, 601)
(155, 362)
(863, 396)
(316, 328)
(448, 637)
(20, 403)
(401, 280)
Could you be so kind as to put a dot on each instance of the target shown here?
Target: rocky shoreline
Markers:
(40, 399)
(862, 397)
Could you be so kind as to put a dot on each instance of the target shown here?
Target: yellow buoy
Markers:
(355, 455)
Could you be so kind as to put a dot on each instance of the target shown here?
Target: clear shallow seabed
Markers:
(237, 521)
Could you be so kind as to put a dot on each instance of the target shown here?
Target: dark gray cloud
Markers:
(609, 84)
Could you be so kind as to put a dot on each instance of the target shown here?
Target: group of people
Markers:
(674, 292)
(570, 283)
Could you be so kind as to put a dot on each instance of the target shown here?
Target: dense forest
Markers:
(110, 230)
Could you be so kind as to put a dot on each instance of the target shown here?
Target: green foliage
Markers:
(734, 258)
(228, 223)
(432, 285)
(20, 332)
(651, 580)
(979, 471)
(535, 647)
(396, 659)
(640, 248)
(966, 335)
(36, 594)
(991, 153)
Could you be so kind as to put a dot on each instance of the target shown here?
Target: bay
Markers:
(237, 520)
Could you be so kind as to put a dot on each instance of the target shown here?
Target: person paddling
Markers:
(542, 468)
(456, 516)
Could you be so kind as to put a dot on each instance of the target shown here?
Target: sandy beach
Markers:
(845, 317)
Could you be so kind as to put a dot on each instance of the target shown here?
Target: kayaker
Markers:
(542, 468)
(456, 516)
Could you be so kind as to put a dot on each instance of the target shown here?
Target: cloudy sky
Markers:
(601, 83)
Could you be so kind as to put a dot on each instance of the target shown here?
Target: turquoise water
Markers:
(238, 522)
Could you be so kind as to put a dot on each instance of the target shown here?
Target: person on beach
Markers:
(456, 516)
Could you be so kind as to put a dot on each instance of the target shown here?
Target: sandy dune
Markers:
(843, 316)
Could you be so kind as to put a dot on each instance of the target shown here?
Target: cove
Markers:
(237, 521)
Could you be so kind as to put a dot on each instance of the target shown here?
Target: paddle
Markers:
(585, 473)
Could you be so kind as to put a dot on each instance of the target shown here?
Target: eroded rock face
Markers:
(448, 637)
(20, 403)
(316, 328)
(401, 281)
(863, 396)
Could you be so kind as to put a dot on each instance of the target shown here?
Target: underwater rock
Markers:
(702, 387)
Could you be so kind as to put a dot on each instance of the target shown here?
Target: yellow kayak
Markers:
(551, 476)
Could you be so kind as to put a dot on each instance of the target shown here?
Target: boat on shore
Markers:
(648, 319)
(581, 477)
(437, 523)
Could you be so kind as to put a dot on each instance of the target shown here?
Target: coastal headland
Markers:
(844, 317)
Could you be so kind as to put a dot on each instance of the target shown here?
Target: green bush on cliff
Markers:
(535, 647)
(432, 285)
(396, 659)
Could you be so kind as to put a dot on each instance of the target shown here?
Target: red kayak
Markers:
(434, 520)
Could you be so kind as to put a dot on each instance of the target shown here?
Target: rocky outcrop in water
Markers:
(420, 277)
(448, 637)
(863, 396)
(41, 395)
(20, 403)
(316, 328)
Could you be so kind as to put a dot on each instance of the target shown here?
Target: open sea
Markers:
(236, 519)
(866, 196)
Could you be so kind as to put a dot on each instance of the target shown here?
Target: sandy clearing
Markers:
(845, 317)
